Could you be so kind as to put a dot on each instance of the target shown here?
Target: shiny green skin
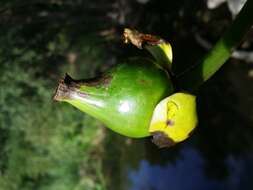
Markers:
(125, 103)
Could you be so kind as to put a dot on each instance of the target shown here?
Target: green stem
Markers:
(220, 53)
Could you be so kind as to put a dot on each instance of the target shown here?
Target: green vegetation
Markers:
(43, 145)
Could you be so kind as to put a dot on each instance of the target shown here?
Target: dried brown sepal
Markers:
(69, 87)
(103, 80)
(65, 88)
(162, 140)
(139, 39)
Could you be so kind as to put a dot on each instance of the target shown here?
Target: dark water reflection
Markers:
(184, 168)
(188, 173)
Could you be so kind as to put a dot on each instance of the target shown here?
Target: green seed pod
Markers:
(173, 120)
(131, 98)
(124, 98)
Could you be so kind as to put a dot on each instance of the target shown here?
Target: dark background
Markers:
(46, 145)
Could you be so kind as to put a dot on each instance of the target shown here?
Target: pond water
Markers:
(188, 172)
(181, 169)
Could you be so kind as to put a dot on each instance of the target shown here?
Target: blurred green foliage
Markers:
(45, 145)
(42, 145)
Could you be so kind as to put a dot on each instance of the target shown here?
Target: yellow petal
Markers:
(175, 116)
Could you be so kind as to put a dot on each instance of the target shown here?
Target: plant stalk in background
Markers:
(193, 77)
